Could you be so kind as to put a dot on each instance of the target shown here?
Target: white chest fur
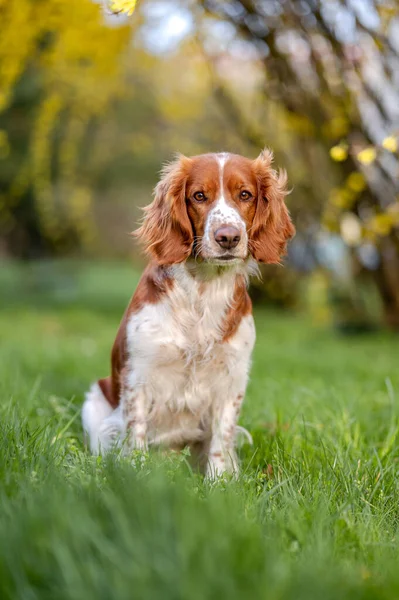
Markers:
(177, 352)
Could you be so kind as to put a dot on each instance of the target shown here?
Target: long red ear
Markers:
(272, 226)
(166, 231)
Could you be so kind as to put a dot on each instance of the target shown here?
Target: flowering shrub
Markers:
(64, 51)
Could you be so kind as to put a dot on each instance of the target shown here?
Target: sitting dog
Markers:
(181, 357)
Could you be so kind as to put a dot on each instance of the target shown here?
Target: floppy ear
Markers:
(166, 231)
(272, 226)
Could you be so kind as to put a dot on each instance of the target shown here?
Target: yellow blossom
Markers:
(367, 156)
(356, 181)
(123, 6)
(390, 143)
(381, 224)
(342, 198)
(339, 153)
(337, 127)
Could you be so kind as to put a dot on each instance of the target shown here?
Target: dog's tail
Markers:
(95, 410)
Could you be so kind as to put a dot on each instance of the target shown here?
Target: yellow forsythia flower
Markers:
(123, 6)
(390, 143)
(356, 182)
(382, 224)
(342, 198)
(367, 156)
(339, 153)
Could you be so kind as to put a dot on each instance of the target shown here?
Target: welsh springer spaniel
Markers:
(181, 358)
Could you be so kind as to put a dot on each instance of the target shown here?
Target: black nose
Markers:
(227, 237)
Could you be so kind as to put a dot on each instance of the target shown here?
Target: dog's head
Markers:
(220, 208)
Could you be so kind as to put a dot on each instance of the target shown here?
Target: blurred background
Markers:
(93, 100)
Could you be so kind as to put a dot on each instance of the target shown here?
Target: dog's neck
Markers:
(208, 289)
(205, 271)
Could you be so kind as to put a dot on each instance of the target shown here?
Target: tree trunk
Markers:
(387, 281)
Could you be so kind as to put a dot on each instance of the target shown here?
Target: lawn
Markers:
(314, 514)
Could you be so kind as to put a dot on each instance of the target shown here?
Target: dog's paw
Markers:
(216, 466)
(219, 466)
(140, 443)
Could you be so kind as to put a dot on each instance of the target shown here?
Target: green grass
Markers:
(314, 514)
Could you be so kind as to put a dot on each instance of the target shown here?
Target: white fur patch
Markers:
(222, 214)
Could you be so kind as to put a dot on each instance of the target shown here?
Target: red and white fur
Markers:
(181, 358)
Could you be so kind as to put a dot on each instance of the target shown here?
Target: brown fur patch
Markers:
(272, 226)
(153, 285)
(106, 388)
(241, 306)
(166, 231)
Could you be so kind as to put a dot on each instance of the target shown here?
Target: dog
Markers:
(181, 358)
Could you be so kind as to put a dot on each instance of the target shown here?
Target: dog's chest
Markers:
(177, 347)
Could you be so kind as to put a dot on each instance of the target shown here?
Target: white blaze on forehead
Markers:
(222, 159)
(223, 213)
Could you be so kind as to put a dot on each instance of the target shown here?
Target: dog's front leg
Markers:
(135, 409)
(222, 456)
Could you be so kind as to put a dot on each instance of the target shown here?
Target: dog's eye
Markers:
(199, 196)
(245, 195)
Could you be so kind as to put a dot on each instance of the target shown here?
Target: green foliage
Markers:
(314, 514)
